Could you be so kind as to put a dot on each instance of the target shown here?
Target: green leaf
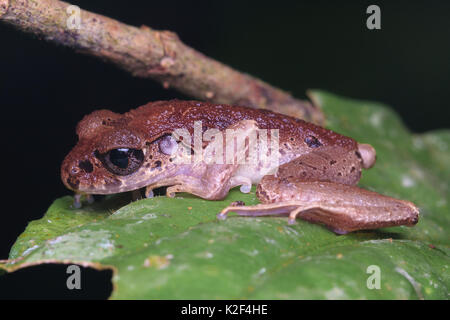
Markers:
(166, 248)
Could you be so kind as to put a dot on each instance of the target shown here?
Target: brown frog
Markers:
(206, 149)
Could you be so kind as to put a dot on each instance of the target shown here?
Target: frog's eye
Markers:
(312, 142)
(123, 161)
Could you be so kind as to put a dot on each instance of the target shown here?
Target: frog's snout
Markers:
(75, 173)
(69, 175)
(368, 155)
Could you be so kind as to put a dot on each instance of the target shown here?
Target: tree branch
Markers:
(148, 53)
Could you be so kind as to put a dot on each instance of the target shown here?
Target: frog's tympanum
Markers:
(194, 147)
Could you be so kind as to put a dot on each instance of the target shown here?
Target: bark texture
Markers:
(148, 53)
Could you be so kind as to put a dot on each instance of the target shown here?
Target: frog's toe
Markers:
(149, 193)
(224, 213)
(245, 188)
(77, 201)
(172, 190)
(339, 231)
(221, 216)
(77, 205)
(244, 182)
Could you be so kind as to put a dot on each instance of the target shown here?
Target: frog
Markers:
(312, 172)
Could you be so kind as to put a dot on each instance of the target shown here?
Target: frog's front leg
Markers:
(209, 182)
(245, 183)
(77, 199)
(342, 208)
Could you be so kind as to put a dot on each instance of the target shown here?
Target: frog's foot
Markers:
(261, 210)
(292, 208)
(339, 216)
(149, 192)
(244, 182)
(77, 200)
(293, 215)
(172, 190)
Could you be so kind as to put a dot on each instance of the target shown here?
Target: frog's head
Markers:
(113, 155)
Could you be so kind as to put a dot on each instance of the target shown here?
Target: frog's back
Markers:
(160, 117)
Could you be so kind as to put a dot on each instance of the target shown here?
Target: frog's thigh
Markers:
(334, 164)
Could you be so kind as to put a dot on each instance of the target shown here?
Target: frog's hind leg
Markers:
(339, 207)
(292, 208)
(281, 208)
(301, 209)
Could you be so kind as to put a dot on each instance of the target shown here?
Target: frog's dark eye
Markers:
(120, 157)
(312, 142)
(123, 161)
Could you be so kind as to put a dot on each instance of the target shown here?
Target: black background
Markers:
(46, 89)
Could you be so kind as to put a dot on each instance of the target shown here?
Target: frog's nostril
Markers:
(74, 170)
